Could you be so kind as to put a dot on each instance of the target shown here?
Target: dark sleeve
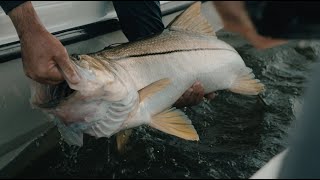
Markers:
(7, 6)
(139, 19)
(280, 19)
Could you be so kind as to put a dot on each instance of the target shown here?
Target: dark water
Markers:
(238, 134)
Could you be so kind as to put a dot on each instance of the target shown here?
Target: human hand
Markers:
(45, 60)
(235, 19)
(193, 96)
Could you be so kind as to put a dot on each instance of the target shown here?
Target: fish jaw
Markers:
(79, 109)
(102, 100)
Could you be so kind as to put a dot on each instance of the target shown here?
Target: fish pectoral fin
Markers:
(175, 122)
(153, 88)
(247, 84)
(191, 20)
(122, 139)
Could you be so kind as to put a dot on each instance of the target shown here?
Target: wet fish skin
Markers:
(137, 83)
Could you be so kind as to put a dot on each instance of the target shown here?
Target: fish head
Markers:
(100, 86)
(94, 74)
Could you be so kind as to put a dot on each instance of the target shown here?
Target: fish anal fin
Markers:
(122, 138)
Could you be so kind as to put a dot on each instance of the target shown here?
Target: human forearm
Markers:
(235, 18)
(44, 58)
(25, 19)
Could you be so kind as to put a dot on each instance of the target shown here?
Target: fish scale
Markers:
(137, 83)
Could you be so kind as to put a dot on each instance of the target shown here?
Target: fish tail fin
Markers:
(175, 122)
(191, 20)
(246, 84)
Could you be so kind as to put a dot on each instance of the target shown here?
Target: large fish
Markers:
(137, 83)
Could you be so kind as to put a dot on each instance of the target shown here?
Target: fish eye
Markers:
(75, 56)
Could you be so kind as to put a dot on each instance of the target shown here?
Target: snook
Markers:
(137, 83)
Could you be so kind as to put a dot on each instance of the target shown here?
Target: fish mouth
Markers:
(55, 94)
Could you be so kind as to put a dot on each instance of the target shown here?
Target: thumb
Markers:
(67, 69)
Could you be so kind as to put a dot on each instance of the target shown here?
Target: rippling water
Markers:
(238, 134)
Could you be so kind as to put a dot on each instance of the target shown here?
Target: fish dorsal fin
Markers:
(191, 20)
(153, 88)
